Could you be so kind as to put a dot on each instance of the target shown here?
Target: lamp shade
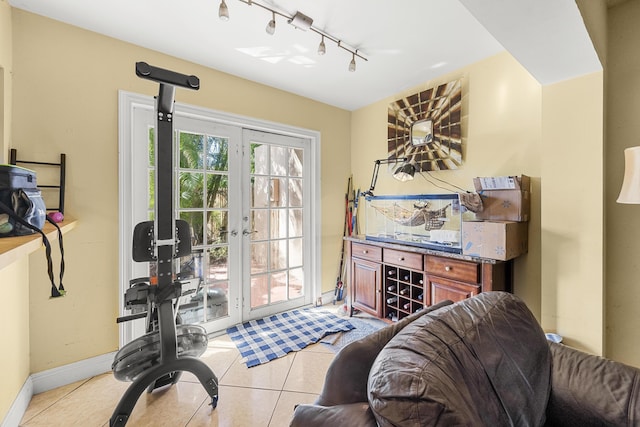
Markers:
(405, 172)
(630, 192)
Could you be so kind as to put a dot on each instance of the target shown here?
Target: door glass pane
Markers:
(295, 282)
(278, 224)
(219, 264)
(277, 257)
(199, 292)
(295, 192)
(279, 287)
(217, 191)
(295, 252)
(259, 225)
(191, 190)
(217, 227)
(260, 192)
(295, 162)
(259, 260)
(278, 254)
(259, 290)
(202, 201)
(152, 189)
(195, 224)
(259, 159)
(278, 161)
(278, 192)
(191, 150)
(295, 222)
(217, 153)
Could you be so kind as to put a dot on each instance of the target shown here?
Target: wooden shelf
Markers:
(14, 248)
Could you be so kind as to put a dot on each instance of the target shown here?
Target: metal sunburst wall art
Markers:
(425, 127)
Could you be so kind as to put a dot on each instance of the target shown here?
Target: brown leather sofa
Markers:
(481, 362)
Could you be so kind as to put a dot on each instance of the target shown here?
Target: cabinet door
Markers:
(366, 287)
(441, 289)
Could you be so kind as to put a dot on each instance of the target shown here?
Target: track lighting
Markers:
(299, 21)
(322, 49)
(223, 11)
(271, 26)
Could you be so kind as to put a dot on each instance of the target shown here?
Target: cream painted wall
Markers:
(623, 221)
(501, 136)
(68, 80)
(594, 14)
(6, 67)
(572, 211)
(14, 318)
(514, 126)
(14, 279)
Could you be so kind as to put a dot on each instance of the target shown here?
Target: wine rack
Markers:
(404, 291)
(394, 281)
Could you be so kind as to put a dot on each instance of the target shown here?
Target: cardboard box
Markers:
(504, 198)
(501, 240)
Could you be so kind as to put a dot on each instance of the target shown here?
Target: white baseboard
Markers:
(19, 406)
(53, 378)
(67, 374)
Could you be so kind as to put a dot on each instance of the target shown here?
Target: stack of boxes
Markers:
(501, 229)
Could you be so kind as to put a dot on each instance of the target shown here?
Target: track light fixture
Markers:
(299, 21)
(322, 49)
(271, 26)
(223, 11)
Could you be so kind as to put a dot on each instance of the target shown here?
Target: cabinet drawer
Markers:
(373, 253)
(402, 259)
(455, 269)
(443, 289)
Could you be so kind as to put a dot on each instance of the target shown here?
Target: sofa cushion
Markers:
(346, 379)
(590, 391)
(483, 361)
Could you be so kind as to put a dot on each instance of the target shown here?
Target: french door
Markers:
(247, 196)
(275, 212)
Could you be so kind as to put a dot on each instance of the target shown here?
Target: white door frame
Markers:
(127, 102)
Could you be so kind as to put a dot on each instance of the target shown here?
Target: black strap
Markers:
(55, 291)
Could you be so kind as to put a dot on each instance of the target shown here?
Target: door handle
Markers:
(246, 232)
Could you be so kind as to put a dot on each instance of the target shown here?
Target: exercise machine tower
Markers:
(159, 357)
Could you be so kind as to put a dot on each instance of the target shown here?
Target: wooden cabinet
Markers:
(452, 279)
(393, 281)
(366, 284)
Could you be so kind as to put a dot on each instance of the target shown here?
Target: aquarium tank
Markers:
(432, 221)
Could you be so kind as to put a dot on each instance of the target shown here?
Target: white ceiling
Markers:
(406, 42)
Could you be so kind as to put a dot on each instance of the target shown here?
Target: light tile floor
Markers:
(264, 395)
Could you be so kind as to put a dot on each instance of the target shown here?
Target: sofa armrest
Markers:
(588, 390)
(348, 375)
(352, 415)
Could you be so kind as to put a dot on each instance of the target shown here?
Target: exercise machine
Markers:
(169, 348)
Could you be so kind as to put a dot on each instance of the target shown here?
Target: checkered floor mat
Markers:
(260, 341)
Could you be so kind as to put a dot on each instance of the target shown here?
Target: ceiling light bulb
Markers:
(223, 12)
(271, 26)
(352, 64)
(322, 49)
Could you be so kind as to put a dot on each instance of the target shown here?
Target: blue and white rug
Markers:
(260, 341)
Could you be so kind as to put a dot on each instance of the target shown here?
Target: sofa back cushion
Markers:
(483, 361)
